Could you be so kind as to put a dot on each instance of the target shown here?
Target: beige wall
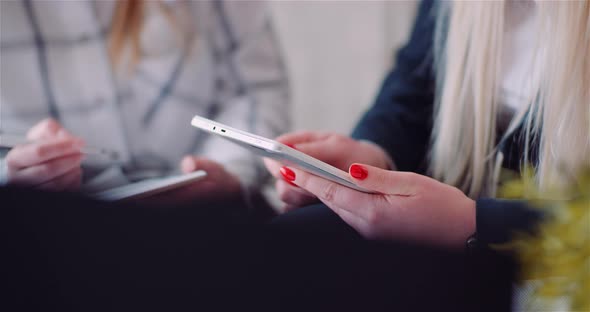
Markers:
(337, 52)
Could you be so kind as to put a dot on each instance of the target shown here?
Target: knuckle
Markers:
(283, 192)
(329, 193)
(337, 139)
(39, 151)
(46, 169)
(11, 161)
(413, 182)
(284, 196)
(293, 198)
(381, 178)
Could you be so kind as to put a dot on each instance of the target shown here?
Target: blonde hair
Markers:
(127, 25)
(468, 45)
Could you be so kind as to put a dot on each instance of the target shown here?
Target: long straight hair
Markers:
(468, 49)
(127, 26)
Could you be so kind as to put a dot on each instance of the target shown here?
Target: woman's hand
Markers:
(337, 150)
(406, 206)
(217, 184)
(50, 161)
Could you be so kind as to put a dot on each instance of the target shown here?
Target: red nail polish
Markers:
(358, 172)
(288, 174)
(291, 145)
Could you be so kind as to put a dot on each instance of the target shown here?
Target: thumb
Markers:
(188, 164)
(192, 163)
(44, 129)
(385, 181)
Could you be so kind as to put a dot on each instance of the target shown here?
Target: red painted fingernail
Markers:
(358, 172)
(288, 174)
(291, 146)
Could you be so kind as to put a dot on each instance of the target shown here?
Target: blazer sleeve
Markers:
(498, 219)
(400, 121)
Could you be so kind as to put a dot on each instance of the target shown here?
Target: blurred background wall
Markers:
(337, 53)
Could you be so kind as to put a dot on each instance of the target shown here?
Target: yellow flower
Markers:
(557, 258)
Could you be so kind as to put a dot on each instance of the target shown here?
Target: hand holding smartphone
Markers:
(272, 149)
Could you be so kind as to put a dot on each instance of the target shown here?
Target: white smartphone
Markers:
(278, 151)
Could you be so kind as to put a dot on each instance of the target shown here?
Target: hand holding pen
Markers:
(49, 158)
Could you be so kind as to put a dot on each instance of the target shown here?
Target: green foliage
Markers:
(557, 258)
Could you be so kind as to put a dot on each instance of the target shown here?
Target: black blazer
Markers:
(401, 121)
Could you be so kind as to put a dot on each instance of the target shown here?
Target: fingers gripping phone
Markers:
(277, 151)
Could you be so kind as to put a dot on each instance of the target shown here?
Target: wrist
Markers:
(470, 237)
(460, 221)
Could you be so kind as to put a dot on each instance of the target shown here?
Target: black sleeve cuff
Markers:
(498, 219)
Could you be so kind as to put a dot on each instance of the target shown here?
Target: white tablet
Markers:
(278, 151)
(149, 187)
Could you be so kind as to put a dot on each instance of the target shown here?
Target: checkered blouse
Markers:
(54, 63)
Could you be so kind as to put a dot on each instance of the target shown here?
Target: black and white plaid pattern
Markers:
(54, 63)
